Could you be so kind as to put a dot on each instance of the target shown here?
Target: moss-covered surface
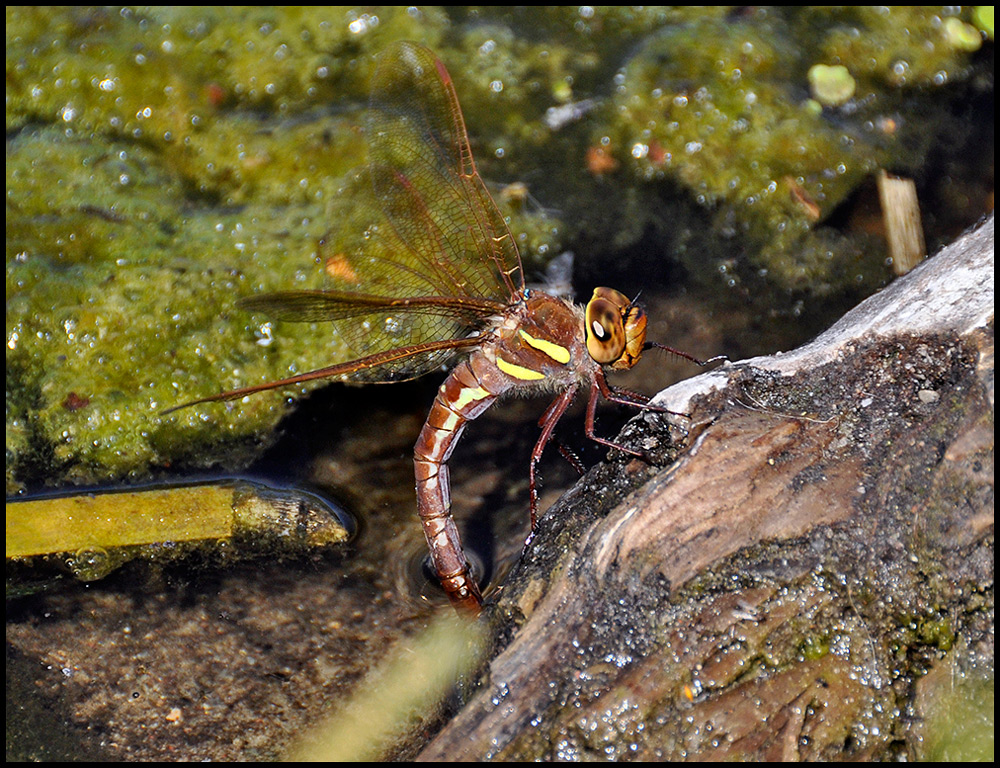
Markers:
(724, 110)
(161, 163)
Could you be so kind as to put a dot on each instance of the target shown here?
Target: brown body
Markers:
(537, 342)
(436, 275)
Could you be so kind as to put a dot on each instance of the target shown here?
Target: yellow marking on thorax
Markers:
(550, 348)
(517, 371)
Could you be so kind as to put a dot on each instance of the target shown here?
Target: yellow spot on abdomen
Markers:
(469, 395)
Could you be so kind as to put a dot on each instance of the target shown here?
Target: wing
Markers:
(423, 254)
(350, 370)
(382, 329)
(426, 181)
(327, 306)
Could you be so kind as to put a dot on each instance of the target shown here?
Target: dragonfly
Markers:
(435, 277)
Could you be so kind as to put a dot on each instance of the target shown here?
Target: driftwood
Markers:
(820, 539)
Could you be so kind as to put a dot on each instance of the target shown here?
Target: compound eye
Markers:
(605, 325)
(616, 329)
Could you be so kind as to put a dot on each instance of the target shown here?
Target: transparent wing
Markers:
(422, 254)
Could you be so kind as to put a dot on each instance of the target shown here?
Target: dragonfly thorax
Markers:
(538, 343)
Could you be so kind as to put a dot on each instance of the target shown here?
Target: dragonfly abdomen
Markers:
(460, 399)
(534, 346)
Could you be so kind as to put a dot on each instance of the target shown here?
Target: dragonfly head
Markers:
(615, 329)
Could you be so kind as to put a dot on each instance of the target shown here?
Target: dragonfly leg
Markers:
(548, 422)
(626, 396)
(595, 390)
(571, 458)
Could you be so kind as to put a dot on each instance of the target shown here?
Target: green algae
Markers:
(723, 111)
(831, 86)
(982, 16)
(148, 186)
(162, 163)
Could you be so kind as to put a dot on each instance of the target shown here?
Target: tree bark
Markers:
(819, 539)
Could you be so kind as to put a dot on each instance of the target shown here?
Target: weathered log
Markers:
(821, 540)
